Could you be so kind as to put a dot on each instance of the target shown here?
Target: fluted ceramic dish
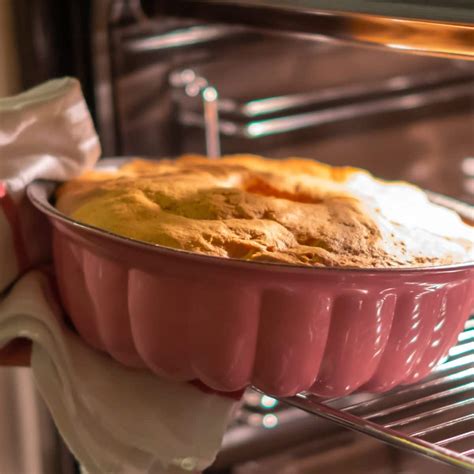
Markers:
(232, 323)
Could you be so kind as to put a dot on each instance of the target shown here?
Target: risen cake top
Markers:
(294, 211)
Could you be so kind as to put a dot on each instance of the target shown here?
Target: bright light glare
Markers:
(270, 421)
(268, 402)
(210, 94)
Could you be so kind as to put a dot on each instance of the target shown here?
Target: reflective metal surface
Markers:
(441, 11)
(179, 38)
(434, 417)
(29, 442)
(444, 29)
(272, 126)
(317, 94)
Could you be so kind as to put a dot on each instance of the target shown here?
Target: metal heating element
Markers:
(434, 417)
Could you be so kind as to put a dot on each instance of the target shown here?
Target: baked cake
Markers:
(293, 211)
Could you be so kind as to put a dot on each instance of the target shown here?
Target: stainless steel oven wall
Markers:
(132, 55)
(343, 452)
(419, 128)
(29, 442)
(399, 116)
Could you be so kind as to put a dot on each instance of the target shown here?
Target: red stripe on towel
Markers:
(11, 213)
(16, 353)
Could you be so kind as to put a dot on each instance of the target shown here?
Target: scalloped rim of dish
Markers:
(40, 191)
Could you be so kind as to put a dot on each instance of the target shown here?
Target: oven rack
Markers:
(434, 417)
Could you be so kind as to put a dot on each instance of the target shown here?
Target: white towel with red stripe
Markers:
(47, 133)
(114, 419)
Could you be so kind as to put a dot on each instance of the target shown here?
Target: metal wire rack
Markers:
(434, 417)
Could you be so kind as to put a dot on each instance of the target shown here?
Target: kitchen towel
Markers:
(46, 133)
(114, 419)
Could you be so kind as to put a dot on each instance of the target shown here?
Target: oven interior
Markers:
(402, 116)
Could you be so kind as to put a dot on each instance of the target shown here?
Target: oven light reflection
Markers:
(399, 46)
(270, 421)
(446, 364)
(268, 402)
(456, 350)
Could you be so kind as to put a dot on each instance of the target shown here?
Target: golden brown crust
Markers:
(295, 211)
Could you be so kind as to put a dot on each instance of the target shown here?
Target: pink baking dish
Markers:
(231, 323)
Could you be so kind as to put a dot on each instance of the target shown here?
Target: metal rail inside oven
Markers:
(442, 28)
(434, 417)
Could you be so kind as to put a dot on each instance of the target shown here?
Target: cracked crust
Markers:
(294, 211)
